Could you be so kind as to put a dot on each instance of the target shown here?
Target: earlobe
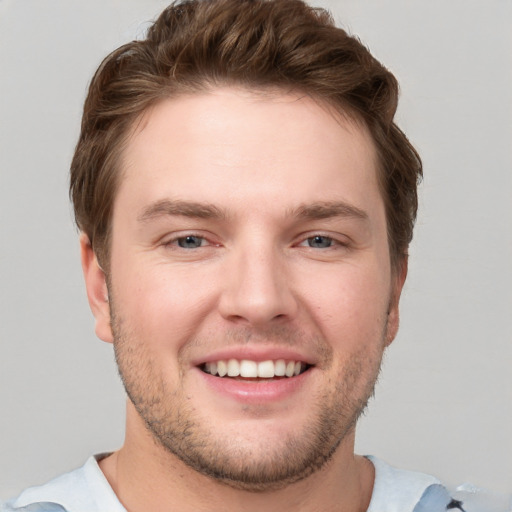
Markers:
(394, 309)
(97, 292)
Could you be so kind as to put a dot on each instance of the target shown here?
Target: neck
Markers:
(144, 476)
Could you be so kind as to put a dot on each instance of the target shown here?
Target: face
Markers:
(250, 295)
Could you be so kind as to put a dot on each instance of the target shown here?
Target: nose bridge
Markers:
(257, 289)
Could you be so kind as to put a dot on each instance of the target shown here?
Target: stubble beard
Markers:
(181, 431)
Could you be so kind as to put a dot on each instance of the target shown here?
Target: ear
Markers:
(97, 292)
(399, 276)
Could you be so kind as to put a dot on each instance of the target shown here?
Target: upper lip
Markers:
(256, 353)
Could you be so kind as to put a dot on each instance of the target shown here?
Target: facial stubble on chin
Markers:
(176, 426)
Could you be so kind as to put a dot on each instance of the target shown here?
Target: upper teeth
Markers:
(246, 368)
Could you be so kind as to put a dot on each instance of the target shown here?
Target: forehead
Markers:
(234, 146)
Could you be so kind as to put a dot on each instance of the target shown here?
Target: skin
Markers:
(253, 178)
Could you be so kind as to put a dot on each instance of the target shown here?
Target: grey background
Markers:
(444, 402)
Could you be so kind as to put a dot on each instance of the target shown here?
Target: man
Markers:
(245, 202)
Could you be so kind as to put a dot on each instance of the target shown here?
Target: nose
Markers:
(257, 288)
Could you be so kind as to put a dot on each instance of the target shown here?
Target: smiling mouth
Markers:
(247, 369)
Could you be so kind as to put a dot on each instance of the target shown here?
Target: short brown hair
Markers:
(195, 45)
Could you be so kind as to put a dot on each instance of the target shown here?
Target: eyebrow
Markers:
(168, 207)
(313, 211)
(329, 209)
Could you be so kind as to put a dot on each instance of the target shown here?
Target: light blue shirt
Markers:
(87, 490)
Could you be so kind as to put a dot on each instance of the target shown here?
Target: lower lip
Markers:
(256, 391)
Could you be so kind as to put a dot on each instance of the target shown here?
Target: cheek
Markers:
(161, 304)
(350, 304)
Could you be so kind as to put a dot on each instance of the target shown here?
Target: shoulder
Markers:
(399, 490)
(34, 507)
(478, 499)
(82, 490)
(54, 495)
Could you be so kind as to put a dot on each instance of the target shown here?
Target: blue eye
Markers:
(320, 242)
(190, 242)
